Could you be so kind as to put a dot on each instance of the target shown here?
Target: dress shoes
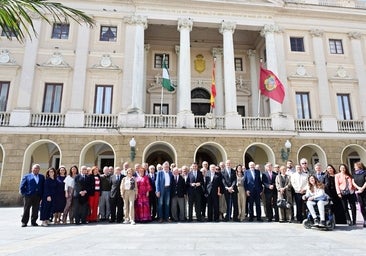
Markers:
(24, 225)
(364, 224)
(34, 224)
(259, 220)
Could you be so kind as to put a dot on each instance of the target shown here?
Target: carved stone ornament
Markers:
(56, 60)
(341, 72)
(185, 23)
(4, 56)
(316, 32)
(354, 35)
(227, 26)
(105, 63)
(200, 63)
(210, 121)
(300, 70)
(136, 20)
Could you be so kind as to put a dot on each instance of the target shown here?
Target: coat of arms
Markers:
(199, 63)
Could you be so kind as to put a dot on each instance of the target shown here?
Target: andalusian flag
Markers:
(271, 86)
(166, 83)
(213, 86)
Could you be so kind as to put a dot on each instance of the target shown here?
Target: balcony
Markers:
(4, 118)
(47, 120)
(350, 126)
(308, 125)
(100, 121)
(161, 121)
(257, 123)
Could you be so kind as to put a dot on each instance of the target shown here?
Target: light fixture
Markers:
(286, 152)
(132, 149)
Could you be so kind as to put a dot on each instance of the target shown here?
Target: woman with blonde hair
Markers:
(129, 194)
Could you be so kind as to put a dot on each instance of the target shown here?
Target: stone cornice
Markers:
(227, 26)
(136, 20)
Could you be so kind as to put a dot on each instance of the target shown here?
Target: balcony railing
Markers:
(257, 123)
(209, 122)
(48, 120)
(4, 119)
(350, 126)
(161, 121)
(100, 121)
(308, 125)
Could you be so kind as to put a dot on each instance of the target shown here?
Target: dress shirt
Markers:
(167, 179)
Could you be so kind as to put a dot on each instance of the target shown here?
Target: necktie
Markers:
(117, 177)
(176, 179)
(228, 172)
(270, 176)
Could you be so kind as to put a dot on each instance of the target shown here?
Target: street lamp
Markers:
(132, 149)
(286, 152)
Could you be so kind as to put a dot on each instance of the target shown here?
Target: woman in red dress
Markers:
(142, 206)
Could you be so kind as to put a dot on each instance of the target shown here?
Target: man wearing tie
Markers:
(81, 192)
(178, 191)
(116, 201)
(194, 190)
(230, 191)
(319, 174)
(270, 192)
(213, 188)
(31, 188)
(163, 186)
(254, 188)
(152, 195)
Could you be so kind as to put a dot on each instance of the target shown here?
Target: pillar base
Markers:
(74, 118)
(233, 121)
(329, 124)
(131, 120)
(185, 119)
(20, 117)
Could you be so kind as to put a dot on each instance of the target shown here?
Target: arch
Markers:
(213, 151)
(158, 152)
(259, 153)
(200, 101)
(2, 158)
(313, 153)
(47, 149)
(353, 153)
(100, 148)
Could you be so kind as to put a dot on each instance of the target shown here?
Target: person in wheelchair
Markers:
(315, 195)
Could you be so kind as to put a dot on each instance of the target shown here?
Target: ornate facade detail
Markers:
(316, 32)
(105, 63)
(242, 85)
(56, 60)
(147, 47)
(270, 28)
(200, 63)
(341, 72)
(185, 23)
(354, 35)
(301, 70)
(5, 57)
(177, 49)
(227, 26)
(216, 52)
(136, 20)
(251, 53)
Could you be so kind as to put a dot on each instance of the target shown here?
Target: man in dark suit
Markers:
(270, 192)
(82, 190)
(116, 201)
(254, 188)
(230, 191)
(319, 174)
(31, 188)
(214, 188)
(152, 195)
(178, 191)
(194, 184)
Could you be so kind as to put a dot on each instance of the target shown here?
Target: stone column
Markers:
(232, 118)
(177, 52)
(219, 101)
(75, 114)
(185, 117)
(359, 62)
(21, 115)
(133, 80)
(147, 48)
(253, 64)
(329, 122)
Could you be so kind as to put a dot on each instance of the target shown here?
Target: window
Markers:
(8, 32)
(52, 98)
(60, 31)
(238, 64)
(241, 110)
(158, 107)
(103, 99)
(344, 107)
(297, 44)
(158, 60)
(4, 92)
(108, 33)
(335, 46)
(303, 105)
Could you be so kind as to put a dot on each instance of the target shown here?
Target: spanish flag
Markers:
(271, 86)
(213, 86)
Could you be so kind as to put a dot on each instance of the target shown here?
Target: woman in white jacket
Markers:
(315, 195)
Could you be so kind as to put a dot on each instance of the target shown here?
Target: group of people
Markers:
(167, 193)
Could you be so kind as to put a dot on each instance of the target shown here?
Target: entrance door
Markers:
(200, 109)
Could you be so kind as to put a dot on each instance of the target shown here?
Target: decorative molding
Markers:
(199, 63)
(136, 20)
(147, 47)
(177, 49)
(316, 32)
(184, 23)
(105, 63)
(252, 53)
(243, 85)
(56, 60)
(5, 58)
(227, 26)
(269, 29)
(354, 35)
(217, 52)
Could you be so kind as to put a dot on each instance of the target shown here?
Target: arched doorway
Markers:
(158, 153)
(211, 152)
(97, 153)
(314, 154)
(352, 154)
(259, 153)
(200, 101)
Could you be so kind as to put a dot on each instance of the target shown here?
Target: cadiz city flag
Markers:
(271, 86)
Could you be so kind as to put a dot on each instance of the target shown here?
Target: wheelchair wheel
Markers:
(307, 223)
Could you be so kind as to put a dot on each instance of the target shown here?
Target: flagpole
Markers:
(162, 88)
(259, 103)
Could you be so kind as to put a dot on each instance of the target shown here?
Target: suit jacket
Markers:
(267, 181)
(214, 185)
(160, 181)
(254, 186)
(229, 181)
(82, 184)
(152, 183)
(29, 187)
(116, 185)
(320, 177)
(178, 188)
(191, 179)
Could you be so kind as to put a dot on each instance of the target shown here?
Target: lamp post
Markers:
(132, 149)
(286, 152)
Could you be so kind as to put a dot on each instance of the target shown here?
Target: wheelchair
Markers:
(309, 223)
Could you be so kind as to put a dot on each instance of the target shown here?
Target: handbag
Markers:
(281, 203)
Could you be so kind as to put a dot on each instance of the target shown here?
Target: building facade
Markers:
(78, 95)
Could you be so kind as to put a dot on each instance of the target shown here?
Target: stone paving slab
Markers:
(175, 239)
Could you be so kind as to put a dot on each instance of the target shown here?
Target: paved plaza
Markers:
(174, 239)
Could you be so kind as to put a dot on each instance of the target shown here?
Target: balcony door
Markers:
(200, 104)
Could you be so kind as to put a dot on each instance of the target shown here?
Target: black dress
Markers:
(337, 207)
